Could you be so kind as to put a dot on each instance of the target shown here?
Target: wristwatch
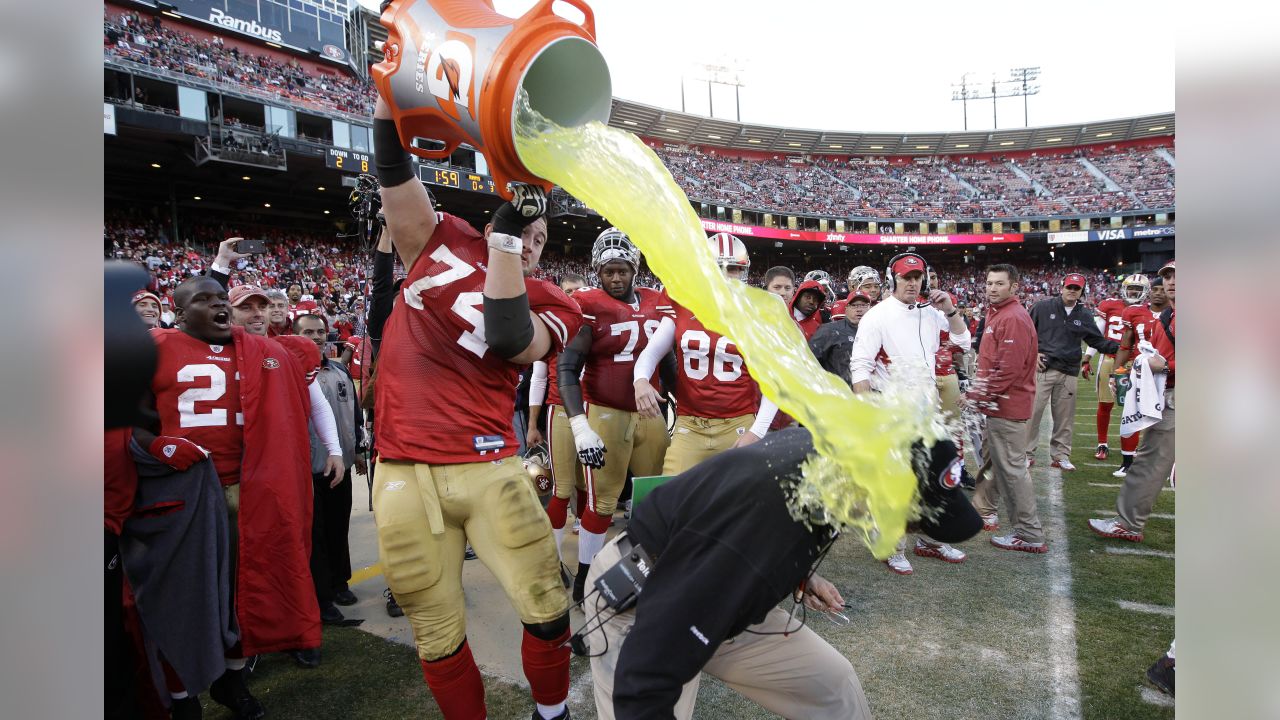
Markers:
(953, 312)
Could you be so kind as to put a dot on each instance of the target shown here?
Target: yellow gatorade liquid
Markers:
(862, 479)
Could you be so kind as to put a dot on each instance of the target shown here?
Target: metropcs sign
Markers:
(248, 27)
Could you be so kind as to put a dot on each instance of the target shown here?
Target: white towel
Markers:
(1144, 402)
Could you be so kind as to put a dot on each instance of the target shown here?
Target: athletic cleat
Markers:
(1013, 542)
(470, 554)
(1161, 674)
(1064, 464)
(990, 523)
(942, 551)
(393, 607)
(1113, 528)
(231, 692)
(1122, 471)
(1102, 451)
(898, 563)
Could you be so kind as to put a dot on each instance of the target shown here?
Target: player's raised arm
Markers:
(405, 202)
(511, 329)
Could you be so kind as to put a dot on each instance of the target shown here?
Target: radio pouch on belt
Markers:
(621, 584)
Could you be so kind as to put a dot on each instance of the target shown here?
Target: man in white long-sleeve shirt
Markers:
(904, 331)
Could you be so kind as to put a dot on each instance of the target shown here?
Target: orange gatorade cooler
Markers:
(452, 71)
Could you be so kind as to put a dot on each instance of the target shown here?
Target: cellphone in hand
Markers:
(251, 246)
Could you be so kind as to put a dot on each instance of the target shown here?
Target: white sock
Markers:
(559, 533)
(550, 711)
(178, 695)
(589, 544)
(1170, 653)
(235, 663)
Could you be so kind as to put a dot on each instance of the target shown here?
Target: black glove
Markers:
(528, 203)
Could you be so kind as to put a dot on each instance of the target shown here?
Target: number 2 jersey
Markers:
(442, 396)
(714, 382)
(1111, 311)
(198, 395)
(619, 333)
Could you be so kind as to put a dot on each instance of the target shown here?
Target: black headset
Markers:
(889, 281)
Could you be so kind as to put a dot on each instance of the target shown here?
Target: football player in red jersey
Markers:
(806, 306)
(718, 404)
(466, 319)
(222, 392)
(864, 280)
(1138, 327)
(610, 434)
(1133, 291)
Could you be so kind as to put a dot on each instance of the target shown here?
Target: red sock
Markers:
(1104, 421)
(595, 522)
(1129, 445)
(558, 511)
(455, 682)
(546, 667)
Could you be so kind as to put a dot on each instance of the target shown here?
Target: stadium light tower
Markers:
(964, 94)
(1020, 83)
(1024, 77)
(725, 72)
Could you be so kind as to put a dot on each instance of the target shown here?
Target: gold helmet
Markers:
(1139, 283)
(538, 463)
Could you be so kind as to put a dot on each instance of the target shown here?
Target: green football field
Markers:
(1004, 635)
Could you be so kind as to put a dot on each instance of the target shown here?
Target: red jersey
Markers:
(714, 382)
(304, 307)
(619, 333)
(1110, 310)
(553, 387)
(945, 361)
(1140, 319)
(837, 309)
(197, 391)
(442, 396)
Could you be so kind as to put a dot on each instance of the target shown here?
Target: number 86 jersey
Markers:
(442, 396)
(714, 382)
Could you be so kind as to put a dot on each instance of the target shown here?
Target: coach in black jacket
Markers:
(725, 552)
(1062, 323)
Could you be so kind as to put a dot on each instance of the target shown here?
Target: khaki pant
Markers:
(1058, 390)
(797, 676)
(631, 442)
(696, 439)
(426, 514)
(1102, 379)
(1004, 473)
(1151, 468)
(566, 471)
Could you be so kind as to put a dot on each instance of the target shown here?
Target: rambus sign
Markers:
(248, 27)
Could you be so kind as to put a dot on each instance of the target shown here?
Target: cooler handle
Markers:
(589, 17)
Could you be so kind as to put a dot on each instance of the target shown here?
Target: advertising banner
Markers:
(300, 24)
(108, 119)
(857, 238)
(1106, 234)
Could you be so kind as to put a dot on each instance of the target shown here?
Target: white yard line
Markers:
(1153, 516)
(1116, 485)
(1112, 550)
(1154, 697)
(1145, 608)
(1060, 619)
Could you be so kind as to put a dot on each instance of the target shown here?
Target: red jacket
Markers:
(1005, 386)
(1161, 342)
(808, 325)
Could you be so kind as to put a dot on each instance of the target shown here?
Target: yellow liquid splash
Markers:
(861, 481)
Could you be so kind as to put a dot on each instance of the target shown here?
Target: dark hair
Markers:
(324, 320)
(1010, 270)
(776, 271)
(572, 277)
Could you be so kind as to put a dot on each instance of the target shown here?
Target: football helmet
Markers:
(823, 278)
(537, 462)
(1139, 283)
(730, 252)
(865, 275)
(613, 244)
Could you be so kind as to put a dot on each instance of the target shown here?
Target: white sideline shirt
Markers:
(908, 335)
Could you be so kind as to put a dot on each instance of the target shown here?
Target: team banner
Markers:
(1127, 233)
(304, 25)
(857, 238)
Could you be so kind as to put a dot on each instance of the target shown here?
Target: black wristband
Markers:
(508, 329)
(952, 313)
(390, 161)
(508, 220)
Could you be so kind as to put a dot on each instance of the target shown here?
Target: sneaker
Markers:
(1101, 453)
(1013, 542)
(898, 563)
(1031, 461)
(562, 716)
(345, 598)
(309, 659)
(393, 607)
(1161, 674)
(1113, 528)
(1122, 471)
(1064, 464)
(188, 708)
(470, 554)
(942, 551)
(230, 692)
(330, 615)
(990, 523)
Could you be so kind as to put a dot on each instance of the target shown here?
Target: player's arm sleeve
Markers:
(659, 345)
(1094, 338)
(382, 296)
(322, 418)
(405, 202)
(764, 416)
(569, 368)
(866, 345)
(538, 384)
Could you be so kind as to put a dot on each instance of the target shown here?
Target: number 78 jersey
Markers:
(619, 333)
(714, 382)
(442, 396)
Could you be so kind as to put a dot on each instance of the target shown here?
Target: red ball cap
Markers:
(1073, 279)
(858, 296)
(144, 295)
(906, 265)
(1167, 269)
(240, 293)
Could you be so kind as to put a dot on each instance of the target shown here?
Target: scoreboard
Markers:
(348, 161)
(453, 178)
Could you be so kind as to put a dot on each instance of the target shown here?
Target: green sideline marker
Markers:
(640, 486)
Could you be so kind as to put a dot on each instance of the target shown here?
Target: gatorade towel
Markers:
(861, 479)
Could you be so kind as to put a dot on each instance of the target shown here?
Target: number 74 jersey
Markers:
(619, 333)
(714, 382)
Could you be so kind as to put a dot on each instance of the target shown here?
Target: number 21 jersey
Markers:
(442, 396)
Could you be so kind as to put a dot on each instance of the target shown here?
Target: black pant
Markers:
(118, 680)
(330, 552)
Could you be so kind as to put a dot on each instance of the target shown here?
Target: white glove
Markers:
(591, 448)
